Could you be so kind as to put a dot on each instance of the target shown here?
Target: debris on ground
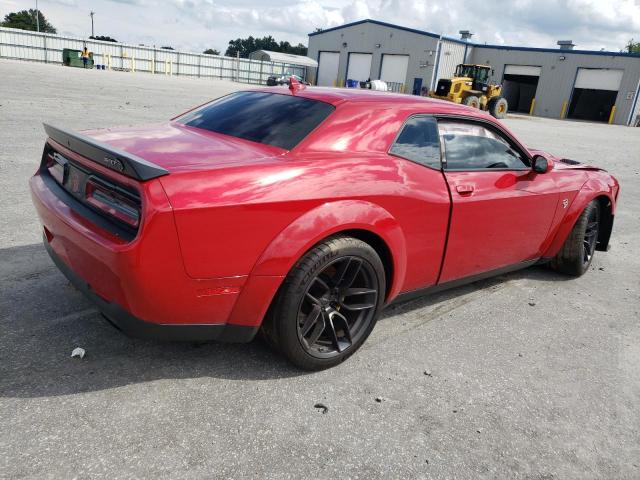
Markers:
(379, 399)
(428, 373)
(322, 407)
(78, 352)
(532, 304)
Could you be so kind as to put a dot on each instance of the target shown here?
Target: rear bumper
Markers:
(136, 327)
(141, 284)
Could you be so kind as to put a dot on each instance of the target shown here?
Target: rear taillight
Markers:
(56, 166)
(113, 201)
(102, 198)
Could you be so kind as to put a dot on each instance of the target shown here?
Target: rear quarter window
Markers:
(269, 118)
(419, 142)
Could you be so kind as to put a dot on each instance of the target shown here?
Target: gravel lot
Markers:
(530, 375)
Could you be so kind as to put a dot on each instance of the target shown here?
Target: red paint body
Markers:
(222, 230)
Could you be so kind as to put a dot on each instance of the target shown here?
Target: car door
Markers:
(501, 209)
(424, 201)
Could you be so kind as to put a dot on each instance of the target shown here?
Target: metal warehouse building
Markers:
(559, 83)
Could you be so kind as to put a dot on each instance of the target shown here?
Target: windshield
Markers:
(477, 73)
(269, 118)
(482, 75)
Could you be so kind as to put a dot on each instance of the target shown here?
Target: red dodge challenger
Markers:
(302, 212)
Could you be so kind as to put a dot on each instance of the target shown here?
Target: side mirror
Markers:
(540, 164)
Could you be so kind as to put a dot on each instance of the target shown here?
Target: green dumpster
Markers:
(73, 58)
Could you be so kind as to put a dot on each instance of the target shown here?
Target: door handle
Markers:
(464, 189)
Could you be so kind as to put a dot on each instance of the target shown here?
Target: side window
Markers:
(469, 146)
(418, 141)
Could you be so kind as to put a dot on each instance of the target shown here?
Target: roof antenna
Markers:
(295, 85)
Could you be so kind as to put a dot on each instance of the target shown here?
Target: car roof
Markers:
(336, 96)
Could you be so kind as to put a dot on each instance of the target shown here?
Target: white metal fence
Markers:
(46, 47)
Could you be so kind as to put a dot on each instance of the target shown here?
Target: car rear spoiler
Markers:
(106, 155)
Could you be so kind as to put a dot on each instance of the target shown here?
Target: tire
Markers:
(471, 101)
(498, 107)
(576, 254)
(328, 304)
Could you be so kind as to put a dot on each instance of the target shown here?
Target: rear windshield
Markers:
(269, 118)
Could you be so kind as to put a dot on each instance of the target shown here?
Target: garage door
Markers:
(519, 86)
(394, 68)
(359, 66)
(634, 117)
(529, 70)
(328, 69)
(598, 79)
(594, 94)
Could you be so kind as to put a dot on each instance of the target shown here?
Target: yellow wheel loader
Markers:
(470, 86)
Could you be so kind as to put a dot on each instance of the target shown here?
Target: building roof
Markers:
(480, 45)
(378, 22)
(559, 51)
(269, 56)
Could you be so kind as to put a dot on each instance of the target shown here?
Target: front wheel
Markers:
(498, 107)
(471, 101)
(575, 256)
(328, 304)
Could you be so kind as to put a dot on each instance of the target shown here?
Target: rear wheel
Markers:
(471, 101)
(575, 256)
(328, 304)
(498, 107)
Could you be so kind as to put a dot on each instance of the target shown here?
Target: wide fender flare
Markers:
(591, 189)
(328, 219)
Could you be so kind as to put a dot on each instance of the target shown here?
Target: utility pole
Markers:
(37, 17)
(91, 15)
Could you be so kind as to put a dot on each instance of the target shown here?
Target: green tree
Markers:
(26, 20)
(244, 46)
(299, 49)
(633, 47)
(211, 51)
(104, 38)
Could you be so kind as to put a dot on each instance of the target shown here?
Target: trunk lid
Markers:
(176, 147)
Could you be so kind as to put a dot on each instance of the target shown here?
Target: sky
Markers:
(195, 25)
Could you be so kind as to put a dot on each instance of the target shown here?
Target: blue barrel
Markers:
(352, 83)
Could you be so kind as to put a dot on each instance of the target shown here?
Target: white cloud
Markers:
(356, 10)
(296, 19)
(199, 24)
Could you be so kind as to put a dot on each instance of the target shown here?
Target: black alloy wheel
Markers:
(338, 305)
(576, 254)
(328, 304)
(590, 236)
